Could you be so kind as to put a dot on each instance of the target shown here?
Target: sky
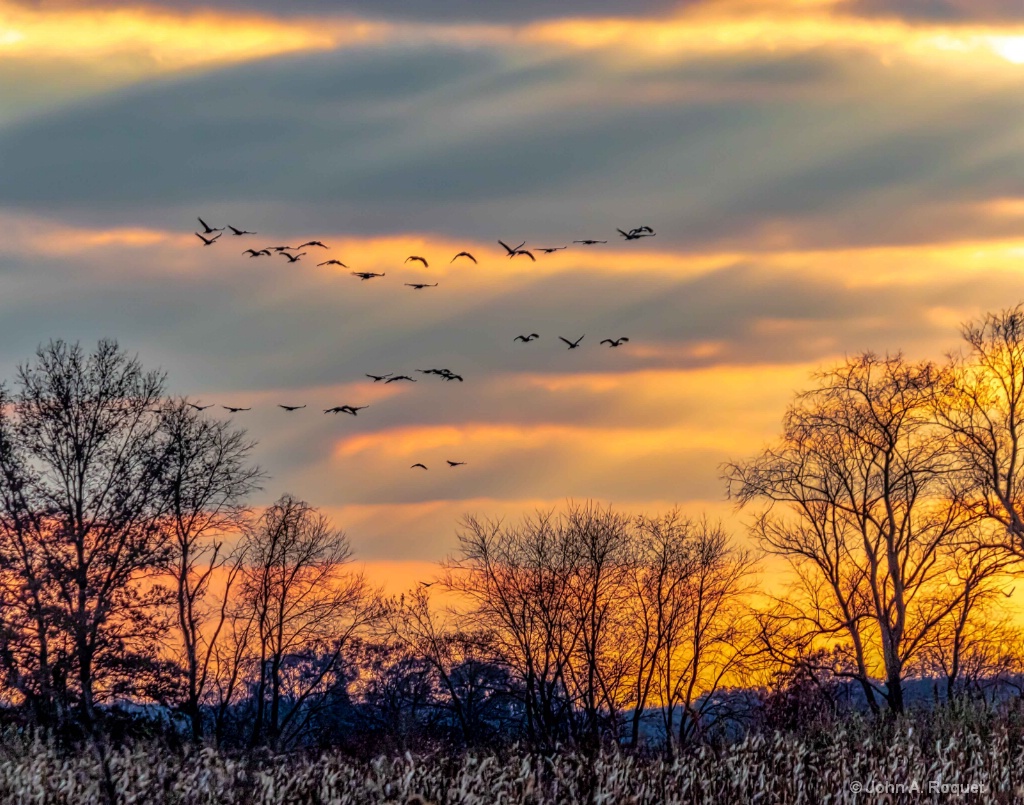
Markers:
(824, 177)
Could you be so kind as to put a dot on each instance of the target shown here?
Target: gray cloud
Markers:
(948, 11)
(467, 11)
(478, 143)
(233, 331)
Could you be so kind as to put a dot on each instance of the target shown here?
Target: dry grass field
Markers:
(913, 760)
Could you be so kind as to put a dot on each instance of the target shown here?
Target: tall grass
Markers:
(765, 768)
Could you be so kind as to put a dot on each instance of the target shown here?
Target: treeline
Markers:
(133, 570)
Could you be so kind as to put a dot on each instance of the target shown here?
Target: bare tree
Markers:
(515, 580)
(207, 479)
(659, 602)
(708, 634)
(82, 462)
(596, 613)
(863, 500)
(305, 605)
(980, 400)
(599, 541)
(434, 636)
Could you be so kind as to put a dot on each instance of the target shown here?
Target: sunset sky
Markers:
(824, 176)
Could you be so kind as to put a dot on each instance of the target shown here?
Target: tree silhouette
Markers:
(861, 497)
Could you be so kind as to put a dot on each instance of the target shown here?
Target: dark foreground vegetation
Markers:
(932, 756)
(156, 631)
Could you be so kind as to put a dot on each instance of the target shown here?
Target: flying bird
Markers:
(421, 259)
(463, 254)
(378, 378)
(572, 344)
(336, 410)
(419, 286)
(234, 410)
(284, 248)
(509, 249)
(414, 466)
(201, 407)
(425, 584)
(1008, 594)
(526, 338)
(452, 376)
(636, 234)
(456, 463)
(353, 409)
(589, 242)
(240, 231)
(291, 407)
(552, 249)
(523, 251)
(207, 229)
(207, 241)
(312, 243)
(616, 342)
(253, 253)
(293, 258)
(332, 263)
(399, 377)
(365, 275)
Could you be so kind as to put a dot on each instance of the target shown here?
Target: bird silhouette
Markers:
(378, 378)
(365, 275)
(526, 338)
(201, 407)
(1008, 594)
(336, 410)
(234, 410)
(523, 251)
(572, 344)
(419, 286)
(414, 466)
(452, 376)
(456, 463)
(332, 263)
(207, 229)
(616, 342)
(353, 409)
(421, 259)
(399, 377)
(316, 243)
(284, 248)
(240, 231)
(636, 234)
(589, 242)
(509, 249)
(551, 249)
(253, 253)
(425, 584)
(293, 258)
(207, 241)
(462, 254)
(291, 407)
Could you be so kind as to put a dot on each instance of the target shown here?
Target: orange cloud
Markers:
(796, 25)
(144, 39)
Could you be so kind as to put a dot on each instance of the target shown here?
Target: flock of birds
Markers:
(210, 235)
